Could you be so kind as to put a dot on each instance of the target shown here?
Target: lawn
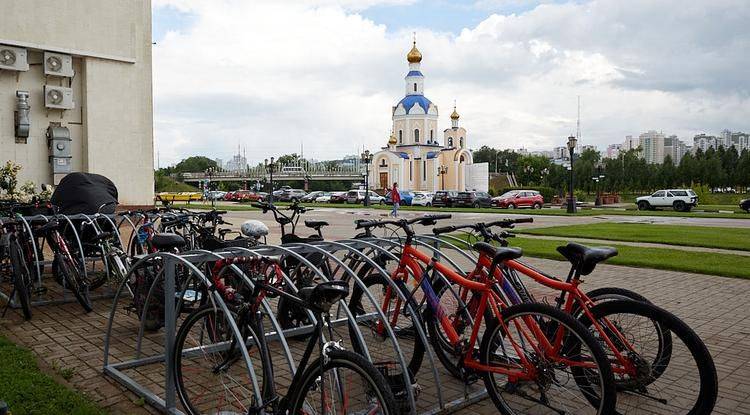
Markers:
(725, 265)
(703, 236)
(544, 212)
(29, 391)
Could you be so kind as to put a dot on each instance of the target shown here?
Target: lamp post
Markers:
(366, 158)
(572, 141)
(209, 174)
(598, 180)
(442, 171)
(269, 169)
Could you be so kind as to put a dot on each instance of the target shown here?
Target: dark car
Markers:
(444, 198)
(745, 205)
(339, 197)
(473, 199)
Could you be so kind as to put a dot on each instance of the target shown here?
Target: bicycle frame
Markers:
(531, 333)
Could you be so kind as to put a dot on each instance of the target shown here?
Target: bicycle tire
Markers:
(21, 277)
(600, 295)
(348, 360)
(708, 391)
(355, 307)
(607, 400)
(196, 316)
(73, 280)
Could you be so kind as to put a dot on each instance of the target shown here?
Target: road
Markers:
(341, 220)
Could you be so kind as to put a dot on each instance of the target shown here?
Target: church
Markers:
(415, 158)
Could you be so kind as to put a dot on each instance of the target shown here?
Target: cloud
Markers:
(270, 75)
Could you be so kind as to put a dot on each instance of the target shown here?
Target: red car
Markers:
(229, 195)
(253, 196)
(519, 198)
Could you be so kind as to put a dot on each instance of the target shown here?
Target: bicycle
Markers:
(11, 238)
(615, 317)
(207, 352)
(515, 347)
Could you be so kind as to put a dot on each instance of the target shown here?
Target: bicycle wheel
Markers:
(210, 374)
(676, 378)
(543, 382)
(75, 282)
(348, 384)
(601, 295)
(22, 279)
(402, 317)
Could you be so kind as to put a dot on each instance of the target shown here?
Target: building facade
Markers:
(75, 92)
(414, 157)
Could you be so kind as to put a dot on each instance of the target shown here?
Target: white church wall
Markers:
(478, 177)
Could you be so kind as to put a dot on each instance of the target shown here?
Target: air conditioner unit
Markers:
(13, 59)
(58, 97)
(58, 64)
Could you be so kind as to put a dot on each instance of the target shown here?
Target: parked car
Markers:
(277, 193)
(519, 198)
(358, 196)
(473, 199)
(681, 200)
(406, 197)
(338, 197)
(324, 197)
(444, 198)
(745, 205)
(291, 195)
(310, 197)
(229, 195)
(422, 199)
(214, 195)
(253, 196)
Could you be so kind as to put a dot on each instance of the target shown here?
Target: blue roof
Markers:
(409, 101)
(401, 154)
(414, 73)
(432, 154)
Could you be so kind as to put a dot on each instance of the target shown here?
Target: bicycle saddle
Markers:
(584, 257)
(316, 224)
(166, 241)
(53, 224)
(323, 296)
(498, 254)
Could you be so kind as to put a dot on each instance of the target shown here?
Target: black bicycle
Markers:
(14, 247)
(212, 376)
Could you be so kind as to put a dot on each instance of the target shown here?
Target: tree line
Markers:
(628, 173)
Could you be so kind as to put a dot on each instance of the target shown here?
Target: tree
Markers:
(194, 164)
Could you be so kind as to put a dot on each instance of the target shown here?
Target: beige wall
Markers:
(112, 124)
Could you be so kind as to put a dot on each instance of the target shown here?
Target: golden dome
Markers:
(392, 141)
(455, 115)
(414, 55)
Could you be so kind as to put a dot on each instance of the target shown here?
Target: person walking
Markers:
(396, 197)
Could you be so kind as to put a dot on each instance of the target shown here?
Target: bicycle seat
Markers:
(316, 224)
(53, 224)
(167, 241)
(498, 254)
(584, 257)
(323, 296)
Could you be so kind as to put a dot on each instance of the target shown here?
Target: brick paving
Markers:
(718, 309)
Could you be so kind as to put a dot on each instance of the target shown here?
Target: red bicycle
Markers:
(658, 361)
(526, 367)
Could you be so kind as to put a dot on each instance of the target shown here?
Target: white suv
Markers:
(681, 200)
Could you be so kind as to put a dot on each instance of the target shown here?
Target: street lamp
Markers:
(442, 171)
(598, 180)
(209, 174)
(270, 167)
(366, 158)
(572, 141)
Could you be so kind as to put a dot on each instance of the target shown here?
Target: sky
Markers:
(276, 77)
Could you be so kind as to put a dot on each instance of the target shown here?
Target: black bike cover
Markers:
(84, 193)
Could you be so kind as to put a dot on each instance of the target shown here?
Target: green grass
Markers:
(542, 212)
(725, 265)
(29, 391)
(702, 236)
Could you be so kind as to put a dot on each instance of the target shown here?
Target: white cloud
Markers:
(272, 74)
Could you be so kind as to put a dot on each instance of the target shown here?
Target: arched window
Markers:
(450, 141)
(461, 142)
(431, 135)
(415, 87)
(400, 137)
(416, 136)
(461, 160)
(383, 163)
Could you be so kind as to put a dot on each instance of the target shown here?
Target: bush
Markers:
(580, 195)
(547, 193)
